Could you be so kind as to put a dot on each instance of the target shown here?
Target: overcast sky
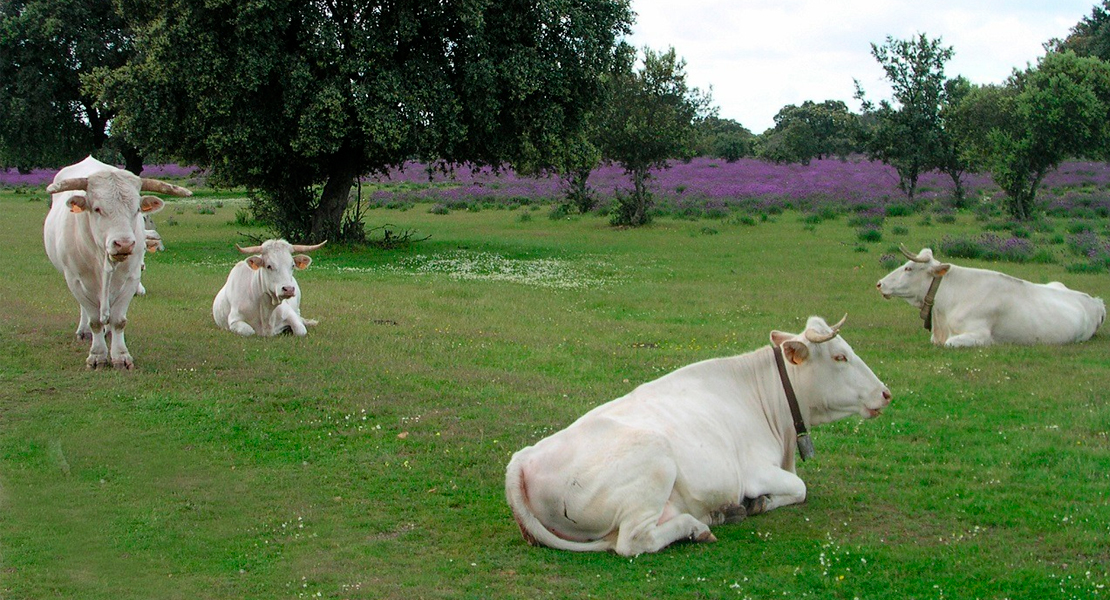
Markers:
(760, 55)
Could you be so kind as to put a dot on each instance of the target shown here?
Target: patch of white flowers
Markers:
(551, 273)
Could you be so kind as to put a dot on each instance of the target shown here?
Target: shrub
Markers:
(889, 262)
(988, 246)
(898, 230)
(559, 212)
(899, 210)
(439, 209)
(870, 235)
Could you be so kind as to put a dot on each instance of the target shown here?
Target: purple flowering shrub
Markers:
(988, 246)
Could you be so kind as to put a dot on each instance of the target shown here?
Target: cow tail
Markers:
(533, 530)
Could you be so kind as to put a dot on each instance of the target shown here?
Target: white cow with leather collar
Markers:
(707, 444)
(979, 307)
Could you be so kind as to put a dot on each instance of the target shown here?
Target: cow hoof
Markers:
(123, 364)
(706, 536)
(756, 506)
(95, 362)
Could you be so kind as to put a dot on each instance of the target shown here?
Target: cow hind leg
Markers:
(84, 332)
(658, 523)
(651, 535)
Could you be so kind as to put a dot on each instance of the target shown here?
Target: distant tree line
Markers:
(297, 100)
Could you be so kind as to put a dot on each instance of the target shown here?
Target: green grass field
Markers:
(367, 460)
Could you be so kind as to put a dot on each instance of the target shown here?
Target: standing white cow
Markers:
(707, 444)
(977, 307)
(261, 295)
(94, 235)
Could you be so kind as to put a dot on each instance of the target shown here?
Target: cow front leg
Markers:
(285, 317)
(121, 358)
(236, 323)
(969, 339)
(774, 488)
(98, 351)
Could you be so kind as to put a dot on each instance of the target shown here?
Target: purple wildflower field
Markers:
(705, 185)
(710, 184)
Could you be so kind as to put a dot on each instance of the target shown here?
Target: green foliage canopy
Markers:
(650, 116)
(282, 96)
(809, 131)
(1023, 130)
(50, 113)
(906, 134)
(1089, 37)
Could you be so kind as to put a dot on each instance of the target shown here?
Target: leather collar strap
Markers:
(805, 445)
(927, 304)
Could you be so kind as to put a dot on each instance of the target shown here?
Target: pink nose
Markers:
(886, 396)
(123, 246)
(288, 291)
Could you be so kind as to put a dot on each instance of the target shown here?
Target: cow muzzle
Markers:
(874, 412)
(120, 250)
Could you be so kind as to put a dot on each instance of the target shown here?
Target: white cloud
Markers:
(759, 56)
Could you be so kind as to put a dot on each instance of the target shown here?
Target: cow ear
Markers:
(151, 204)
(940, 270)
(255, 262)
(796, 352)
(77, 204)
(778, 337)
(301, 261)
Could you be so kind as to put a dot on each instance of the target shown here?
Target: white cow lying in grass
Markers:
(976, 307)
(261, 295)
(707, 444)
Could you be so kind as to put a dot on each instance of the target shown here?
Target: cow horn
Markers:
(249, 249)
(302, 248)
(161, 187)
(912, 257)
(818, 338)
(68, 185)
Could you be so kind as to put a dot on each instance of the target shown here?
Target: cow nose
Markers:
(123, 246)
(287, 291)
(879, 285)
(886, 396)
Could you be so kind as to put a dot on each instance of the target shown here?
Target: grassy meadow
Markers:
(367, 459)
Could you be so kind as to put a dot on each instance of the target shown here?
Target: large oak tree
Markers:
(298, 98)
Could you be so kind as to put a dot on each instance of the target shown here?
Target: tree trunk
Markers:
(132, 158)
(958, 193)
(327, 221)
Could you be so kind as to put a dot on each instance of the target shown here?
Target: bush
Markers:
(870, 235)
(439, 209)
(889, 262)
(988, 246)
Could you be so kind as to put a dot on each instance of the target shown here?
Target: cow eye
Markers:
(840, 358)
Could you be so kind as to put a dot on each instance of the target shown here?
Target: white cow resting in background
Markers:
(261, 295)
(94, 235)
(977, 307)
(707, 444)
